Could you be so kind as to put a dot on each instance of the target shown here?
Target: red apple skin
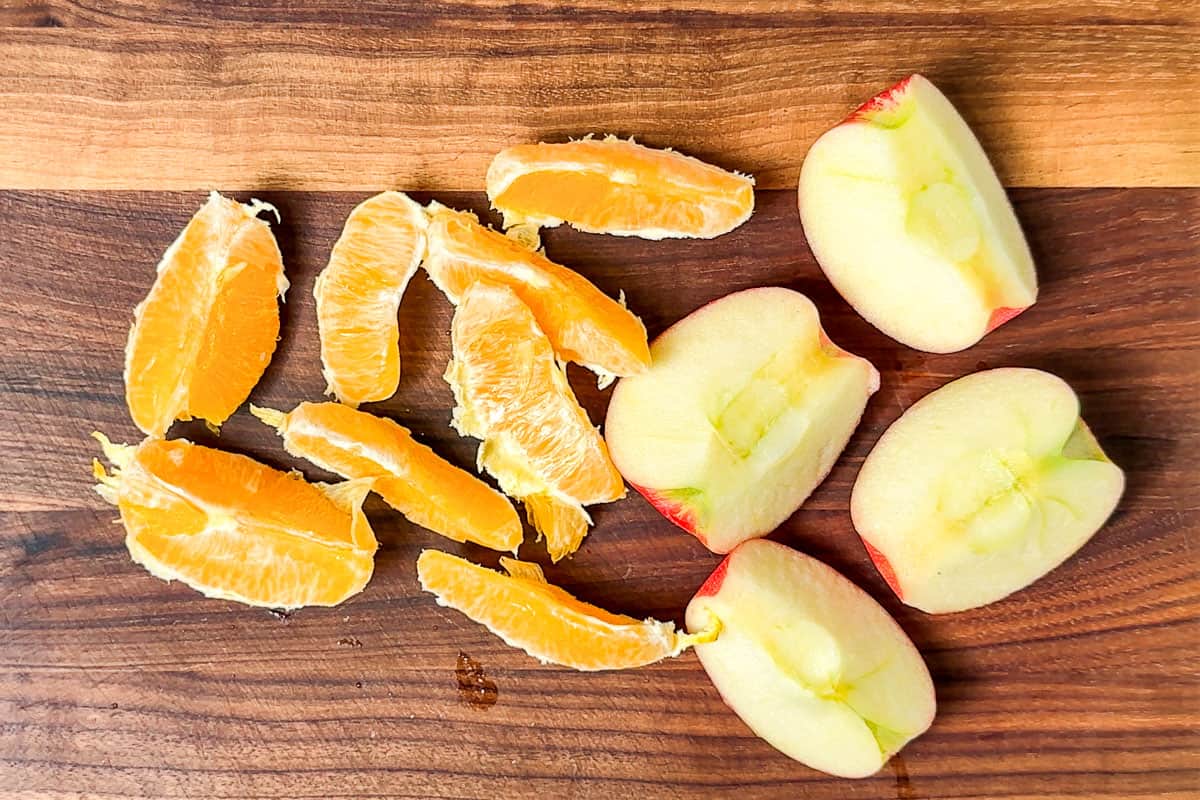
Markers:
(886, 99)
(677, 513)
(1001, 316)
(713, 584)
(885, 568)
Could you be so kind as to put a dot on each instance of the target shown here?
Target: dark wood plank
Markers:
(116, 685)
(424, 99)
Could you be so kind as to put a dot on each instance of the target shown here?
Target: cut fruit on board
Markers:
(745, 409)
(410, 477)
(982, 487)
(584, 325)
(618, 187)
(908, 220)
(206, 331)
(232, 528)
(537, 440)
(358, 297)
(809, 661)
(545, 621)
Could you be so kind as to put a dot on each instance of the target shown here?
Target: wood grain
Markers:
(163, 94)
(116, 685)
(117, 13)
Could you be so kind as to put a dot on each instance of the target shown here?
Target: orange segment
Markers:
(236, 529)
(584, 324)
(545, 621)
(413, 479)
(358, 296)
(204, 334)
(613, 186)
(564, 523)
(512, 394)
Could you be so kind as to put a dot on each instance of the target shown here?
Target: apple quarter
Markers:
(810, 662)
(982, 487)
(908, 220)
(745, 408)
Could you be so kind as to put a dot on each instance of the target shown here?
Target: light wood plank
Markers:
(270, 107)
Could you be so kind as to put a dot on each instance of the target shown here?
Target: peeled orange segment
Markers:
(358, 297)
(512, 393)
(232, 528)
(204, 334)
(545, 621)
(614, 186)
(564, 523)
(583, 324)
(413, 479)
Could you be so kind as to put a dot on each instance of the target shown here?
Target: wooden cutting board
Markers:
(118, 115)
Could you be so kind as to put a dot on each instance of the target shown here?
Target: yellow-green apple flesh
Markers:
(908, 220)
(745, 408)
(982, 487)
(809, 661)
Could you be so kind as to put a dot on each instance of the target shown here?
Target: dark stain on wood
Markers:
(475, 688)
(39, 542)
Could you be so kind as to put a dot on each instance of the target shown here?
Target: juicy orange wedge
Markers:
(583, 324)
(204, 334)
(545, 621)
(537, 440)
(413, 479)
(233, 528)
(358, 297)
(614, 186)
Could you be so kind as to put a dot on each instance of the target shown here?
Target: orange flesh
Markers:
(593, 202)
(358, 296)
(231, 527)
(543, 620)
(204, 334)
(511, 393)
(583, 324)
(413, 479)
(614, 186)
(563, 523)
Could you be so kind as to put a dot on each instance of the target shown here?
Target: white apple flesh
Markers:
(810, 662)
(742, 414)
(981, 488)
(908, 220)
